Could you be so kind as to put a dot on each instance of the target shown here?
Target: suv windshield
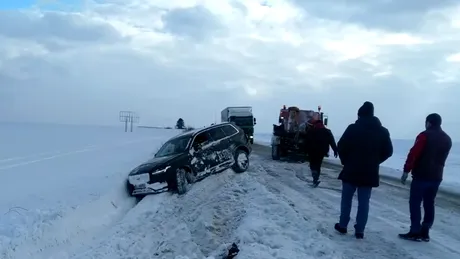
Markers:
(243, 121)
(174, 146)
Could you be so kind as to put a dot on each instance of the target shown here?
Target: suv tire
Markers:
(183, 180)
(241, 161)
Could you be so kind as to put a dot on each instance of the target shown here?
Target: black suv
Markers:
(190, 157)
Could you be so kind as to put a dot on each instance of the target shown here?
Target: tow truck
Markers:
(289, 136)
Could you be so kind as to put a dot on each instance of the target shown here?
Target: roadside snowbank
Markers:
(216, 212)
(47, 233)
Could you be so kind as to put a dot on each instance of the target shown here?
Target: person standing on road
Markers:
(363, 146)
(319, 138)
(426, 160)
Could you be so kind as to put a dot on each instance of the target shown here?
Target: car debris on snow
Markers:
(232, 252)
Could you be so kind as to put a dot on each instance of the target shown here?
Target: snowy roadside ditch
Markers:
(222, 209)
(50, 234)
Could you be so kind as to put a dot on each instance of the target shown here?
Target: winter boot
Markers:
(315, 175)
(425, 234)
(358, 235)
(410, 236)
(340, 229)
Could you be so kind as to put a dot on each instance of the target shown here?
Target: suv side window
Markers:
(229, 130)
(202, 139)
(217, 133)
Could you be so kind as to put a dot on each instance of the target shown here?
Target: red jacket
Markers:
(426, 159)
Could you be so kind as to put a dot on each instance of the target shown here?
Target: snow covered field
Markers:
(59, 182)
(62, 196)
(393, 166)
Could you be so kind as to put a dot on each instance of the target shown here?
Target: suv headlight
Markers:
(162, 170)
(139, 179)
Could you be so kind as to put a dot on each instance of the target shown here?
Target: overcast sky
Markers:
(167, 59)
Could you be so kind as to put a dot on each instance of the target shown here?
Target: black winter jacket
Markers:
(363, 146)
(319, 138)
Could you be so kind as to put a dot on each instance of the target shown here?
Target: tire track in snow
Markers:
(393, 204)
(300, 196)
(388, 215)
(40, 157)
(9, 159)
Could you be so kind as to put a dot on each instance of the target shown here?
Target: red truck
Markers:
(289, 136)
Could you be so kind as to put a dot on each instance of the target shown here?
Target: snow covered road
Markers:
(269, 211)
(388, 217)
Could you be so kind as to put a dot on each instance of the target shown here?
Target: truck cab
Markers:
(242, 117)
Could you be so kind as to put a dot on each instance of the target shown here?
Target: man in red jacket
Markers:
(426, 161)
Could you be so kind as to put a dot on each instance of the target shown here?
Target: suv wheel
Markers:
(241, 161)
(183, 180)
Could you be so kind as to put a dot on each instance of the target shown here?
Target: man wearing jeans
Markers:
(363, 146)
(426, 160)
(319, 138)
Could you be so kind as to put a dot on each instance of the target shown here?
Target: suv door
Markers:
(220, 146)
(201, 151)
(232, 136)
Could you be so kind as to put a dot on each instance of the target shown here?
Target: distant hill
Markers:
(154, 127)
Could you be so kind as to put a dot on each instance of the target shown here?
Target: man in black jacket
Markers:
(363, 146)
(426, 160)
(319, 138)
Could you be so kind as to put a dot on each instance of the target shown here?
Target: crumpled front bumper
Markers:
(153, 188)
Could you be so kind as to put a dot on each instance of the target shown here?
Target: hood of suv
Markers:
(154, 164)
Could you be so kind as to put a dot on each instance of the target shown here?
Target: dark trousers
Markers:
(422, 191)
(364, 196)
(315, 166)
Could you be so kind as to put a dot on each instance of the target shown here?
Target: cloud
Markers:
(410, 15)
(190, 59)
(195, 22)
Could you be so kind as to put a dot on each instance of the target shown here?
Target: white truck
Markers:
(242, 116)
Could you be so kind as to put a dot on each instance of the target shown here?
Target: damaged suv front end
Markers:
(145, 179)
(158, 174)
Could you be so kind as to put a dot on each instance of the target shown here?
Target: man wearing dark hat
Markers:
(319, 138)
(426, 161)
(363, 146)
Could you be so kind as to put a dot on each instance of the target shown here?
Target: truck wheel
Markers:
(275, 152)
(183, 180)
(241, 161)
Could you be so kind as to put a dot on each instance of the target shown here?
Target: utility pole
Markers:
(128, 116)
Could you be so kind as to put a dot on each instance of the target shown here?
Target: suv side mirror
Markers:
(255, 121)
